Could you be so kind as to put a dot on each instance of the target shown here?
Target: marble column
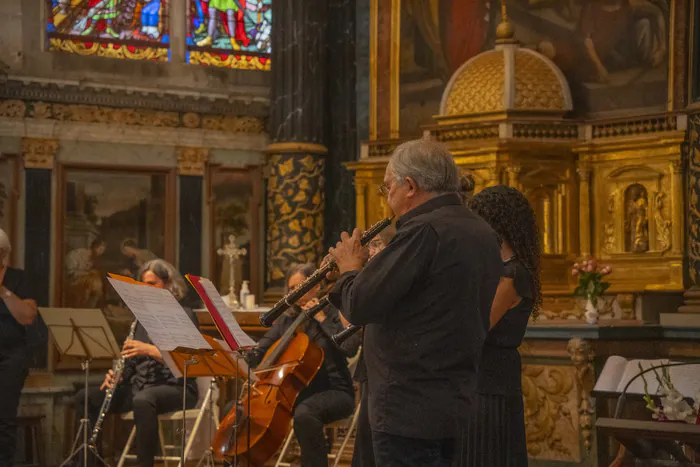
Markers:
(342, 122)
(191, 163)
(38, 155)
(298, 134)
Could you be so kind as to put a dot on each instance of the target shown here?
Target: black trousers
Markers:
(363, 455)
(13, 371)
(310, 416)
(146, 404)
(402, 451)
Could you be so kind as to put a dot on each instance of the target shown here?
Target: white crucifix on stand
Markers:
(232, 253)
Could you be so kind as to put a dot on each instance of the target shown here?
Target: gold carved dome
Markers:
(504, 81)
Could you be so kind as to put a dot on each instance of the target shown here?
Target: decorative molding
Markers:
(466, 133)
(562, 131)
(39, 153)
(582, 355)
(294, 147)
(635, 126)
(78, 92)
(38, 111)
(693, 197)
(192, 161)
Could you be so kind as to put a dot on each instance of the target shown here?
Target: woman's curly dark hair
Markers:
(509, 213)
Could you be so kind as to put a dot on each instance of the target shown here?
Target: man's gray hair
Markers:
(428, 163)
(174, 282)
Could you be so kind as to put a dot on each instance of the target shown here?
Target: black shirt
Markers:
(425, 300)
(334, 373)
(500, 369)
(144, 372)
(12, 332)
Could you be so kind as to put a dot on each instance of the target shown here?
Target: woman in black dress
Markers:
(494, 434)
(16, 311)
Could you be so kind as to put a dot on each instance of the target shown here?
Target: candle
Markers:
(250, 302)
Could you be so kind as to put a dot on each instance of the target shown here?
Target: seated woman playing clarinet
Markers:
(147, 386)
(329, 396)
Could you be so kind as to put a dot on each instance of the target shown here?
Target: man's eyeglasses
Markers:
(383, 190)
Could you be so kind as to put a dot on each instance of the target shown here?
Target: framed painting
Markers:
(614, 53)
(110, 220)
(9, 197)
(235, 197)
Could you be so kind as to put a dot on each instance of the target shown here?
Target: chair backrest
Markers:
(203, 389)
(352, 361)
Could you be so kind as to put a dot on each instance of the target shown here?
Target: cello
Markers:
(256, 427)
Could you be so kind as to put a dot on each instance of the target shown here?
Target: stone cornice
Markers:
(168, 100)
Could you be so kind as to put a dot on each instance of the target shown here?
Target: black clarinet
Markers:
(269, 317)
(345, 334)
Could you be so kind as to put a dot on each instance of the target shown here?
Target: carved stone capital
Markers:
(582, 355)
(584, 173)
(192, 161)
(39, 153)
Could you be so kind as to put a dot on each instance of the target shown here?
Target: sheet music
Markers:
(239, 335)
(164, 319)
(686, 379)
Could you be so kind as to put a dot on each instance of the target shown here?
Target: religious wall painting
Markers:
(127, 29)
(110, 221)
(229, 33)
(614, 53)
(9, 195)
(234, 210)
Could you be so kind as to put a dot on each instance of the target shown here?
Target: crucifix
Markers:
(232, 253)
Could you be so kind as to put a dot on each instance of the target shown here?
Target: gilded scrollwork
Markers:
(694, 199)
(295, 204)
(582, 355)
(158, 54)
(609, 227)
(549, 397)
(84, 113)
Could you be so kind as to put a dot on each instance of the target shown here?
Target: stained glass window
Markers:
(129, 29)
(229, 33)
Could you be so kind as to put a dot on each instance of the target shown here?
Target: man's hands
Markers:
(139, 349)
(109, 381)
(349, 253)
(321, 315)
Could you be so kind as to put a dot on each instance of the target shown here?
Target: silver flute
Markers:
(118, 369)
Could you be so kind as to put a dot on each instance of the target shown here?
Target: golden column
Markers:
(584, 173)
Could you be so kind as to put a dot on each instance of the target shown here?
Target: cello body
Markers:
(256, 427)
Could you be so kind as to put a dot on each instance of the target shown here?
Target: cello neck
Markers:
(283, 342)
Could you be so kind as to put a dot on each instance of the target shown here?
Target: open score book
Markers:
(618, 371)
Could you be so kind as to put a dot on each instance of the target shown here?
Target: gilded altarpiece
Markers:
(637, 210)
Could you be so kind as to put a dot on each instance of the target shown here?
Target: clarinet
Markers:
(118, 369)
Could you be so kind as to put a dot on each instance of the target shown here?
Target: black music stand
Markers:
(83, 334)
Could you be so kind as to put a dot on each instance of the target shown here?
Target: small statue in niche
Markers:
(636, 219)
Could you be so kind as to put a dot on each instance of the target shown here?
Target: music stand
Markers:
(84, 334)
(216, 363)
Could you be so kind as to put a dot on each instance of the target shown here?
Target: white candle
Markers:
(250, 302)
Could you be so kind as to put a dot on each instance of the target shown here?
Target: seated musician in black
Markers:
(147, 387)
(330, 396)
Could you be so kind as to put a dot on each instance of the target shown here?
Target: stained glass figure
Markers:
(230, 33)
(129, 29)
